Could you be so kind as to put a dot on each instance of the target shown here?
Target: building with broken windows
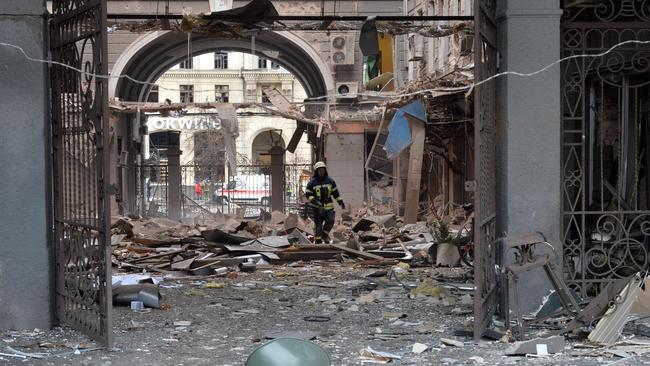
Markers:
(229, 77)
(300, 64)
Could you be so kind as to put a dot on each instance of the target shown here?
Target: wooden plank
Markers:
(357, 253)
(397, 184)
(183, 265)
(414, 173)
(297, 135)
(278, 100)
(308, 255)
(161, 255)
(148, 268)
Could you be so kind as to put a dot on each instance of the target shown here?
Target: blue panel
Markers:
(399, 135)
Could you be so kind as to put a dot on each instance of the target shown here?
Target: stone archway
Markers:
(262, 143)
(152, 54)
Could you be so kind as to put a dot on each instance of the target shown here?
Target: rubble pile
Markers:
(228, 244)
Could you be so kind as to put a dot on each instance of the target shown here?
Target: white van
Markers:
(253, 189)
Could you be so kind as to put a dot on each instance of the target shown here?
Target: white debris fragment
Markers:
(451, 342)
(419, 348)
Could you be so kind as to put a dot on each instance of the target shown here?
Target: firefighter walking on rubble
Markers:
(319, 192)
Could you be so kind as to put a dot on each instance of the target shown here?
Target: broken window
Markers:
(221, 60)
(221, 93)
(261, 63)
(186, 93)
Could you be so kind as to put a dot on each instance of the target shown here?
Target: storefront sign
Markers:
(184, 123)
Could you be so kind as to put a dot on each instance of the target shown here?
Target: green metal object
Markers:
(289, 352)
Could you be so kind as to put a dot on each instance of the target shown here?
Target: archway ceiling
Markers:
(171, 48)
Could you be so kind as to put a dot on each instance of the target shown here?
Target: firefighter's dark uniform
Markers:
(319, 193)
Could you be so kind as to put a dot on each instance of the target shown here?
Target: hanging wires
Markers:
(467, 88)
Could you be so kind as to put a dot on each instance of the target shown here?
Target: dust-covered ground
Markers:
(230, 317)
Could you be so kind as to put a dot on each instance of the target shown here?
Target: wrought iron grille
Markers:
(605, 143)
(485, 54)
(206, 191)
(152, 189)
(80, 171)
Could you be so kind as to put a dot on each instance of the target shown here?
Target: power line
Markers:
(468, 88)
(274, 18)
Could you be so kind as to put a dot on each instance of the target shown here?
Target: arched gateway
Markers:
(154, 53)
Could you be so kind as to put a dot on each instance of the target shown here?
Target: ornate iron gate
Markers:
(485, 61)
(80, 167)
(605, 143)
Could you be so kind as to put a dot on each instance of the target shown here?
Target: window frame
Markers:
(222, 59)
(189, 91)
(219, 89)
(183, 64)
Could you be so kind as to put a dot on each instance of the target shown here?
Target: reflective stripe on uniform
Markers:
(321, 186)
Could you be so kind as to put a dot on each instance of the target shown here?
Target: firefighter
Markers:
(319, 192)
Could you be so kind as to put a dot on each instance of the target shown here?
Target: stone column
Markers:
(528, 129)
(174, 188)
(26, 276)
(277, 178)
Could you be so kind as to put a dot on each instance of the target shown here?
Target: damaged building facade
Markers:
(568, 137)
(561, 150)
(308, 56)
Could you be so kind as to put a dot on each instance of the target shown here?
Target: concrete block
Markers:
(554, 344)
(24, 7)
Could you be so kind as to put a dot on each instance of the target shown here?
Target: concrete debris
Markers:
(477, 359)
(297, 334)
(370, 235)
(448, 361)
(550, 345)
(609, 328)
(419, 348)
(630, 360)
(641, 307)
(370, 355)
(451, 342)
(447, 255)
(366, 299)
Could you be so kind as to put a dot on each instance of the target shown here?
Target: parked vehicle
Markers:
(253, 189)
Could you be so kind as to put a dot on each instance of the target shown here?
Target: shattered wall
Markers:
(24, 250)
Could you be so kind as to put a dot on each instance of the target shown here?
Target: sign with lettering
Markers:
(193, 123)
